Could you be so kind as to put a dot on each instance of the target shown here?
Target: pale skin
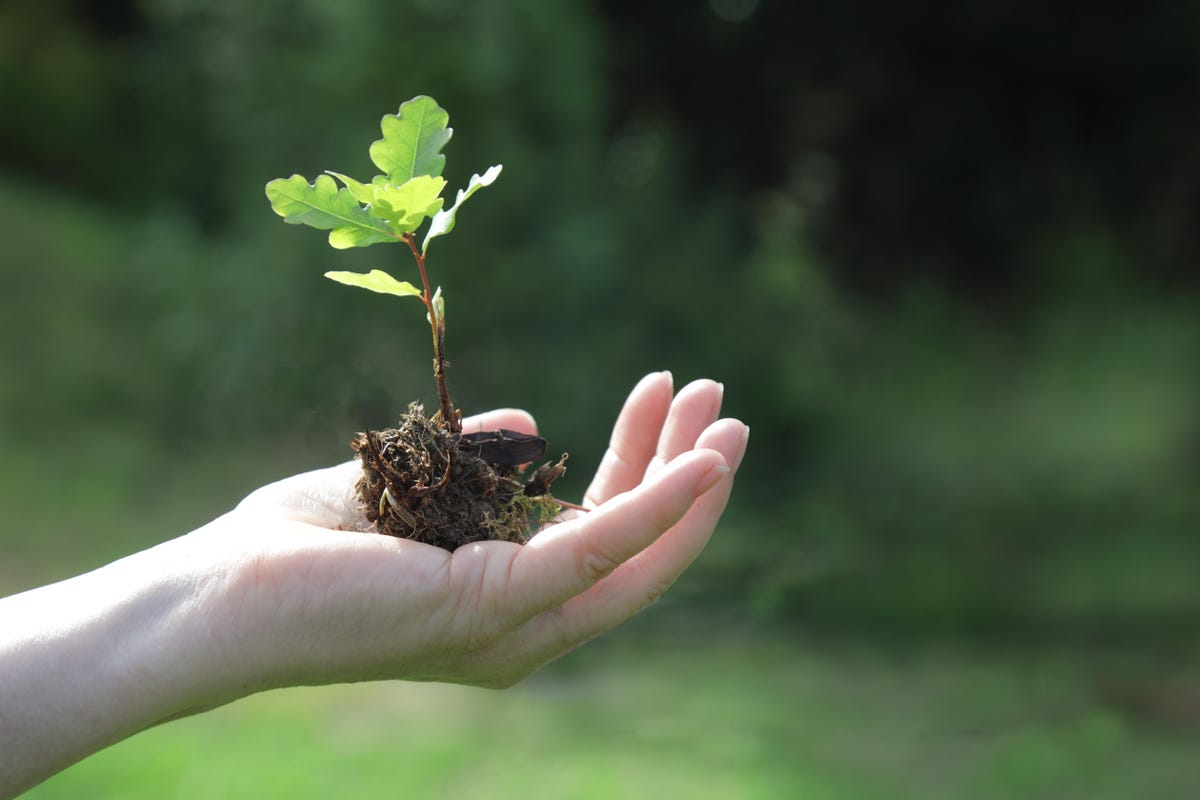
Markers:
(276, 593)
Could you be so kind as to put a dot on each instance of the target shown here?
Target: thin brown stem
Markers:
(419, 257)
(438, 327)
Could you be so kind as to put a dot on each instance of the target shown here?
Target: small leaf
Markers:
(377, 281)
(406, 206)
(361, 192)
(439, 302)
(412, 141)
(322, 205)
(443, 221)
(439, 305)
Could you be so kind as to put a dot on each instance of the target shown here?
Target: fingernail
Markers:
(670, 379)
(720, 399)
(742, 447)
(710, 479)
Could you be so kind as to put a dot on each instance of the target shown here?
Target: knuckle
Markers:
(593, 565)
(651, 586)
(651, 595)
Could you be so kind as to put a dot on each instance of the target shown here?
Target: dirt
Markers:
(423, 482)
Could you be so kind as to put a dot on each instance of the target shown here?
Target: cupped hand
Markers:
(305, 599)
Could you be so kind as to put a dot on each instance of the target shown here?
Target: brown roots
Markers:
(423, 482)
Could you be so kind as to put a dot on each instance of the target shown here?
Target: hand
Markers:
(308, 602)
(273, 594)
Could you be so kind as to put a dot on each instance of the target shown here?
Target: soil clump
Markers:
(423, 482)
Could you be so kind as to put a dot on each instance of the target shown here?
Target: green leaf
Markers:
(362, 192)
(439, 304)
(377, 281)
(412, 141)
(406, 206)
(439, 307)
(322, 205)
(443, 221)
(403, 207)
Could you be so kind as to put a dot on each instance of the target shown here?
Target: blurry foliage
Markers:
(719, 714)
(944, 264)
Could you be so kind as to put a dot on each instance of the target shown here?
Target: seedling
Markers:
(426, 479)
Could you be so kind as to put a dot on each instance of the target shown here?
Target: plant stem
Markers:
(438, 326)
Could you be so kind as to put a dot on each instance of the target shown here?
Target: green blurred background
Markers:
(944, 259)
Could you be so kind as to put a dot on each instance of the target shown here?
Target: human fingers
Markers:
(568, 558)
(633, 438)
(513, 419)
(695, 408)
(644, 577)
(640, 580)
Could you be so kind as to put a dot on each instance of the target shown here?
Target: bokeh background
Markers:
(943, 257)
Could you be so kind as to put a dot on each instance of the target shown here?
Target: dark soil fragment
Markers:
(503, 447)
(423, 482)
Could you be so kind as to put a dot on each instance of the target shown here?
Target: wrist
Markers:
(94, 659)
(155, 639)
(179, 651)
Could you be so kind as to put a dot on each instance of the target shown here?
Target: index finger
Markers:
(570, 557)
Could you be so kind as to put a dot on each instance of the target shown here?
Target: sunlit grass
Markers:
(664, 712)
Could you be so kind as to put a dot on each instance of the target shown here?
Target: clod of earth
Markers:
(423, 482)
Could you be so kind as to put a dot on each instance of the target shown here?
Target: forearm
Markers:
(89, 661)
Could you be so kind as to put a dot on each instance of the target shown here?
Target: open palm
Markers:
(314, 602)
